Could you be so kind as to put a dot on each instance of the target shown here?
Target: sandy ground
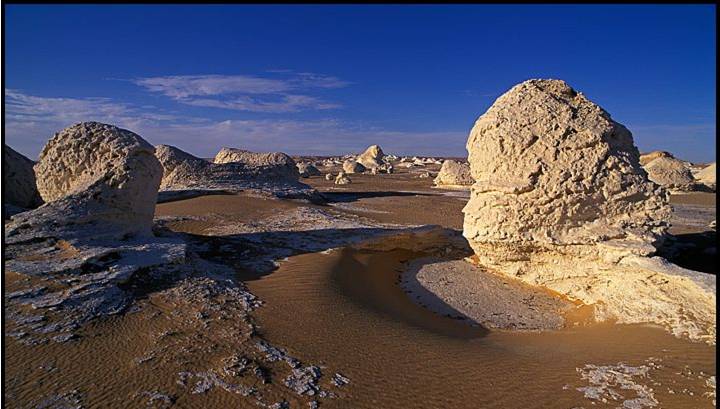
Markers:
(343, 311)
(458, 289)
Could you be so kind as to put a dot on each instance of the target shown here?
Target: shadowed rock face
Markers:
(454, 173)
(19, 180)
(351, 166)
(307, 170)
(560, 200)
(670, 173)
(277, 163)
(102, 172)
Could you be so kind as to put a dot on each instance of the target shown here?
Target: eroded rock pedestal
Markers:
(95, 231)
(560, 200)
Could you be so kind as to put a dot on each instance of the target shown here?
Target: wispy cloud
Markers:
(32, 120)
(29, 108)
(286, 103)
(246, 92)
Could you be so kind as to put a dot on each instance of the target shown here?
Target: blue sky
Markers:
(334, 79)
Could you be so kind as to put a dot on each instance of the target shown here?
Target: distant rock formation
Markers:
(454, 174)
(307, 169)
(646, 158)
(274, 163)
(342, 179)
(560, 200)
(350, 166)
(186, 175)
(372, 157)
(670, 173)
(19, 187)
(707, 176)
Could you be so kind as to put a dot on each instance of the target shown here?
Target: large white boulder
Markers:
(560, 200)
(103, 173)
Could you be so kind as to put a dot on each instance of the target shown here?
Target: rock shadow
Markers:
(345, 197)
(694, 251)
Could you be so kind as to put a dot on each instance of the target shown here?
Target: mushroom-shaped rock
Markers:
(454, 174)
(102, 171)
(19, 187)
(646, 158)
(351, 166)
(277, 163)
(707, 175)
(95, 231)
(372, 157)
(307, 169)
(560, 200)
(670, 173)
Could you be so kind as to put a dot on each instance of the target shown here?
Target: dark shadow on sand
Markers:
(694, 251)
(254, 255)
(344, 197)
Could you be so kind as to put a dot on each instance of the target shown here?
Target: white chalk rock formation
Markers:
(342, 179)
(707, 175)
(372, 157)
(277, 163)
(95, 231)
(560, 200)
(646, 158)
(670, 173)
(454, 175)
(104, 172)
(307, 169)
(351, 166)
(186, 175)
(19, 187)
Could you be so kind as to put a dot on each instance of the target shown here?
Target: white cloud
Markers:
(285, 103)
(183, 86)
(32, 120)
(245, 92)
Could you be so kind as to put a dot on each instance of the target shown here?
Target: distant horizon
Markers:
(332, 80)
